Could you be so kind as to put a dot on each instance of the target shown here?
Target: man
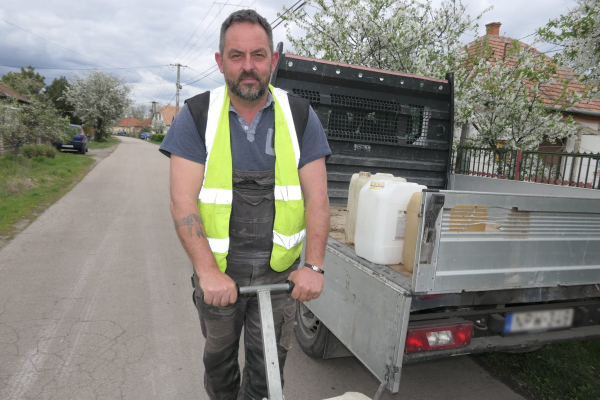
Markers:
(248, 184)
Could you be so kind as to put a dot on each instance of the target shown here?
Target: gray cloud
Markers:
(136, 33)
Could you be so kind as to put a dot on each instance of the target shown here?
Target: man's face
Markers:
(247, 61)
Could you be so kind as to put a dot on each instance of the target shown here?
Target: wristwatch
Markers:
(314, 268)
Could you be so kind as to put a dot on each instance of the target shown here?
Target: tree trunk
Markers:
(16, 151)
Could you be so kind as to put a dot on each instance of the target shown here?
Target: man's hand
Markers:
(219, 289)
(308, 284)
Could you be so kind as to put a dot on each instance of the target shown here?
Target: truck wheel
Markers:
(310, 332)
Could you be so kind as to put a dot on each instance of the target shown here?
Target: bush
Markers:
(33, 151)
(159, 137)
(50, 152)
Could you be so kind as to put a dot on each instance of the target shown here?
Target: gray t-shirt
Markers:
(251, 143)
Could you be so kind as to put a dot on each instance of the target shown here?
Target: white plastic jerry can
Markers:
(381, 220)
(357, 182)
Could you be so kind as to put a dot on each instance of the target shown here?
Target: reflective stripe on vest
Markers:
(215, 197)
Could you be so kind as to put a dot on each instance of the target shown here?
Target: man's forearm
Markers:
(317, 229)
(192, 235)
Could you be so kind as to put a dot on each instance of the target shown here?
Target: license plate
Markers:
(70, 146)
(538, 320)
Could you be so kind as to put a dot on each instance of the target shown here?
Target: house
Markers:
(165, 113)
(126, 124)
(7, 93)
(142, 125)
(586, 112)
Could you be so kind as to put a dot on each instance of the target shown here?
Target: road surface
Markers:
(95, 303)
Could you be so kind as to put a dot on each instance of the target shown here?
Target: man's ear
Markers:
(274, 60)
(219, 60)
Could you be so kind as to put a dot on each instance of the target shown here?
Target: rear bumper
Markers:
(76, 146)
(502, 343)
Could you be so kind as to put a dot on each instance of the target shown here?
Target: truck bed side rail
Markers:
(470, 241)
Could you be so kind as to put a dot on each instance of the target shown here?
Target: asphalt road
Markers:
(95, 303)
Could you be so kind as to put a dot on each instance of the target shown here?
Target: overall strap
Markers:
(198, 107)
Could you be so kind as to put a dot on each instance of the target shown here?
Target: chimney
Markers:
(493, 28)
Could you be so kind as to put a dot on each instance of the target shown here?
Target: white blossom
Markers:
(502, 101)
(158, 125)
(578, 33)
(99, 99)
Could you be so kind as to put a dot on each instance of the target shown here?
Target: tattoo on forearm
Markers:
(194, 225)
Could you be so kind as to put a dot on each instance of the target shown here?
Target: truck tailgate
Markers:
(470, 241)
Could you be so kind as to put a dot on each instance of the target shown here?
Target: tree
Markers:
(502, 100)
(55, 92)
(99, 99)
(578, 33)
(139, 111)
(27, 82)
(508, 100)
(21, 124)
(159, 126)
(405, 35)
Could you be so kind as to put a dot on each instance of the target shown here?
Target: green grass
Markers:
(104, 143)
(28, 186)
(567, 371)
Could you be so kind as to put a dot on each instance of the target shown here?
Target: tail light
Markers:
(442, 336)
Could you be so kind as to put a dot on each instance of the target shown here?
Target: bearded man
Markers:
(248, 187)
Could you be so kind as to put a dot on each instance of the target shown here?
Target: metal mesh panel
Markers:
(313, 97)
(377, 121)
(339, 100)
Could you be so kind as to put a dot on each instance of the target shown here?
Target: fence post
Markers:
(518, 165)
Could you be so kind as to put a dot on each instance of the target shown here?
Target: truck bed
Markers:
(337, 231)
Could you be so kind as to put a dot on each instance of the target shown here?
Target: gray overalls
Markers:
(251, 242)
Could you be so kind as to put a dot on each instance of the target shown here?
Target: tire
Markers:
(310, 332)
(82, 151)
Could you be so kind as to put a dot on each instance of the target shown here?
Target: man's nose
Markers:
(248, 65)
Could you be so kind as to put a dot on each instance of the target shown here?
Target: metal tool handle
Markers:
(288, 286)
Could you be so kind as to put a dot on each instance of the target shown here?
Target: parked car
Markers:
(121, 133)
(145, 136)
(79, 142)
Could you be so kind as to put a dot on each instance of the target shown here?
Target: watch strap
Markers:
(314, 268)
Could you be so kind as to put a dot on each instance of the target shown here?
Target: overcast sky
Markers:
(143, 33)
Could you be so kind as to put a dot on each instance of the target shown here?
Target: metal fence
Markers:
(568, 169)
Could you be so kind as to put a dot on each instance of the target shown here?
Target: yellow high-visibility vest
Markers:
(216, 195)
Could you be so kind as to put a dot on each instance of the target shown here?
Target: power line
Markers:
(207, 26)
(195, 30)
(282, 15)
(199, 79)
(84, 69)
(62, 47)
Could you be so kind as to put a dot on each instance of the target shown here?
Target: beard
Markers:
(244, 92)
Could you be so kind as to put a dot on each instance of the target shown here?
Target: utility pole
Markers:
(178, 87)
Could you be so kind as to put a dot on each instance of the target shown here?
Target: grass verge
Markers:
(104, 143)
(568, 371)
(28, 186)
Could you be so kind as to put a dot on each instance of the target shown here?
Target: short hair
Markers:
(245, 15)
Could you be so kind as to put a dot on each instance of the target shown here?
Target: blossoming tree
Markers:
(501, 98)
(99, 99)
